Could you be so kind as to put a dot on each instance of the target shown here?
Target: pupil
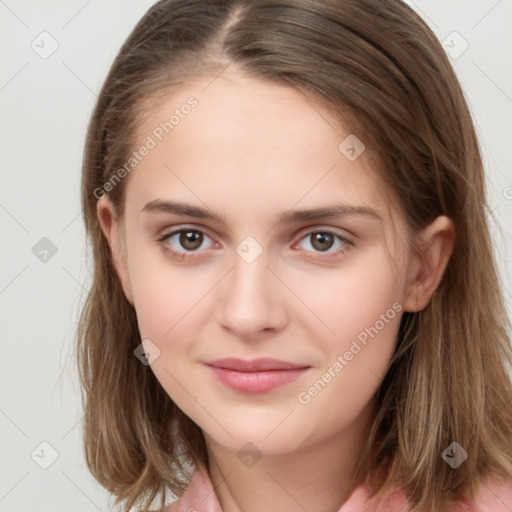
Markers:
(191, 240)
(322, 241)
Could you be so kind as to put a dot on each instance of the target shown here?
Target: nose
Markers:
(252, 299)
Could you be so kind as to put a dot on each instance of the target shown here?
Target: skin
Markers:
(249, 151)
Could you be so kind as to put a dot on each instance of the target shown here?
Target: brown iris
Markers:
(322, 241)
(191, 240)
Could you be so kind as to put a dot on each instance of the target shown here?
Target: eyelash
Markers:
(188, 254)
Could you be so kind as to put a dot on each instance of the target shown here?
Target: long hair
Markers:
(377, 64)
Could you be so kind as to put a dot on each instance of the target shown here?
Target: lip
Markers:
(256, 375)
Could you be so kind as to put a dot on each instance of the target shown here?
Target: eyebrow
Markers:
(286, 217)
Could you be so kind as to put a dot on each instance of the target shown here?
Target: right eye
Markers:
(184, 241)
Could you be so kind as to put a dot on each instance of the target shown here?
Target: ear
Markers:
(427, 266)
(112, 229)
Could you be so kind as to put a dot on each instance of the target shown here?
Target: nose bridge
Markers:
(250, 300)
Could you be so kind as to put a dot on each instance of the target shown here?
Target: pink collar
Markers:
(200, 496)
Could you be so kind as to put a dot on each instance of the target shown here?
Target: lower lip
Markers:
(256, 382)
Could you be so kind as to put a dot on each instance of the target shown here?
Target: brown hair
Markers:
(378, 63)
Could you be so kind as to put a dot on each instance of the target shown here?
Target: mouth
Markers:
(257, 375)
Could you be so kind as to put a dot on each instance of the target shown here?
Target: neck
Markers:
(315, 477)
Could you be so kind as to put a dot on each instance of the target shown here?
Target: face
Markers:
(249, 234)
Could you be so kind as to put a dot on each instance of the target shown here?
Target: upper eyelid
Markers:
(179, 229)
(299, 237)
(339, 232)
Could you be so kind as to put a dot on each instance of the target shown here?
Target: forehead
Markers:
(238, 141)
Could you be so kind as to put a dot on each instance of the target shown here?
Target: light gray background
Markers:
(45, 105)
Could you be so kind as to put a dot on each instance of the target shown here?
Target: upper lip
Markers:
(254, 365)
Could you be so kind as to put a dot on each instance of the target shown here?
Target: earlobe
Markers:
(427, 267)
(111, 227)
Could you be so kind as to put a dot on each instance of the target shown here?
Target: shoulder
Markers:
(199, 496)
(362, 500)
(494, 496)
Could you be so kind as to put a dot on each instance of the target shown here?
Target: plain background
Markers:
(45, 104)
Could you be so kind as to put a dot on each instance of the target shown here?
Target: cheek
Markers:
(361, 306)
(165, 295)
(365, 294)
(356, 359)
(175, 305)
(170, 306)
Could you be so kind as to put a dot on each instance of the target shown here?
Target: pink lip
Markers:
(256, 376)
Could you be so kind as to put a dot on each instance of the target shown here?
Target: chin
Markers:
(263, 441)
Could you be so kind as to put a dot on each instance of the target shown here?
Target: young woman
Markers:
(295, 303)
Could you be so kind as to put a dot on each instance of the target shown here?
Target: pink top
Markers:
(200, 497)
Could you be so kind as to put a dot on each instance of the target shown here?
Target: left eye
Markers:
(189, 239)
(323, 241)
(183, 241)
